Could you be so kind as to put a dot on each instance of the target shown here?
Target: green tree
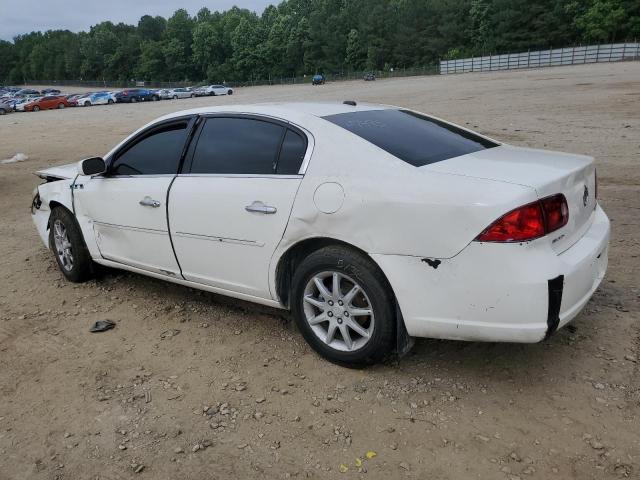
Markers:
(601, 21)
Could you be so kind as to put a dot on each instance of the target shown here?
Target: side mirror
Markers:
(92, 166)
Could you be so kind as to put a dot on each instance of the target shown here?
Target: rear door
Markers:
(128, 206)
(230, 208)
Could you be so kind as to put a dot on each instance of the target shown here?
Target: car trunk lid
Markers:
(547, 172)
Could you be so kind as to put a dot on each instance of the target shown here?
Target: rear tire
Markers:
(134, 99)
(230, 92)
(2, 111)
(367, 337)
(36, 108)
(110, 102)
(67, 244)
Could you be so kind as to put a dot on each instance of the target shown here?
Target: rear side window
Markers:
(157, 153)
(417, 139)
(294, 146)
(237, 146)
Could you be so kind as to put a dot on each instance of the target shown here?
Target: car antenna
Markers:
(350, 102)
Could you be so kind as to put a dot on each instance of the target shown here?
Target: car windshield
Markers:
(417, 139)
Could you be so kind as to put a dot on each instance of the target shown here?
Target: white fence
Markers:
(613, 52)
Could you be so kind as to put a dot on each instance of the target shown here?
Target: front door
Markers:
(127, 206)
(228, 212)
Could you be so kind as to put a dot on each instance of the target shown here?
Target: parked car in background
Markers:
(369, 77)
(21, 102)
(164, 94)
(5, 108)
(48, 102)
(50, 91)
(27, 91)
(73, 99)
(213, 90)
(182, 92)
(98, 98)
(318, 80)
(133, 95)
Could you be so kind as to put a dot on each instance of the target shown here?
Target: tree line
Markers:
(299, 37)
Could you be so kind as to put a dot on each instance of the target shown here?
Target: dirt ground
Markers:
(191, 385)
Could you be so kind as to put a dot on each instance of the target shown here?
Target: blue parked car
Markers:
(317, 80)
(133, 95)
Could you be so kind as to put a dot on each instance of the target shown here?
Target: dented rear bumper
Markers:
(499, 292)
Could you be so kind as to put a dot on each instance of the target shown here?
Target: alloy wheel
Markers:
(338, 311)
(63, 245)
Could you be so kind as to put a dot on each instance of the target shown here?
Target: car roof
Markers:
(285, 111)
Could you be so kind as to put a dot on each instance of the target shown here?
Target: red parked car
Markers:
(47, 103)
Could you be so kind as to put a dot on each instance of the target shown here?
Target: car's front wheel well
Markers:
(53, 204)
(290, 260)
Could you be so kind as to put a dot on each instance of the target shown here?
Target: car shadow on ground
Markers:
(490, 362)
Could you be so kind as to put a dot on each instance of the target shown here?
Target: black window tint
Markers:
(416, 139)
(237, 146)
(292, 153)
(156, 154)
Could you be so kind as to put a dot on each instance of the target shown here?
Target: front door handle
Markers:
(259, 207)
(149, 202)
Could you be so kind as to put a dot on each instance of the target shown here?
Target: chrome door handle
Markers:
(258, 207)
(149, 202)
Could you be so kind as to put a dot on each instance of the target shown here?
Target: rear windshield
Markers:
(414, 138)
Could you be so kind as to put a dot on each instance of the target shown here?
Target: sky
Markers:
(24, 16)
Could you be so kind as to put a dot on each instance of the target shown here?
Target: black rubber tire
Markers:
(36, 108)
(82, 264)
(134, 99)
(2, 111)
(230, 92)
(110, 102)
(60, 106)
(362, 269)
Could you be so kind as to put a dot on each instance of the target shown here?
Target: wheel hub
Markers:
(338, 311)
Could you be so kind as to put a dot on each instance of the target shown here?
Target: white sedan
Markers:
(372, 224)
(214, 90)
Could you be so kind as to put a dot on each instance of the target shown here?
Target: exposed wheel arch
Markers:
(291, 258)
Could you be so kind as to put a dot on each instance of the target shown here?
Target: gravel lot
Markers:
(191, 385)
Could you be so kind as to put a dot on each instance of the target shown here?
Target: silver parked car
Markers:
(5, 108)
(182, 93)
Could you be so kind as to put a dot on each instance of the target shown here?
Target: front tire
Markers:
(60, 106)
(67, 244)
(343, 306)
(134, 99)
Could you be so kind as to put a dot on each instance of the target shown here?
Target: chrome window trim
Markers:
(243, 175)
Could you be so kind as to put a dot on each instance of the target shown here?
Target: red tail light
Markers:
(529, 222)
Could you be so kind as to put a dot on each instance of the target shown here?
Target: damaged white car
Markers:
(372, 224)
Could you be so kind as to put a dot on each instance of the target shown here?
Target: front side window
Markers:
(237, 146)
(157, 153)
(417, 139)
